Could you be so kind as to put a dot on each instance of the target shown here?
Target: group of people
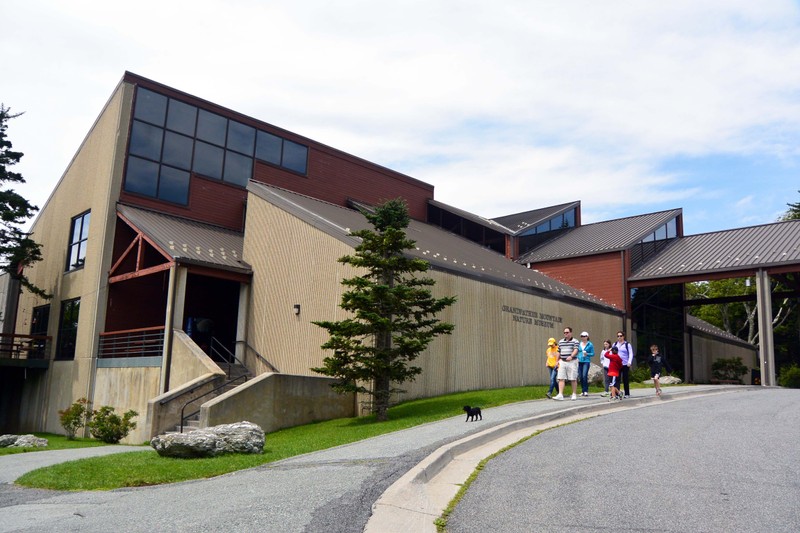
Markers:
(569, 359)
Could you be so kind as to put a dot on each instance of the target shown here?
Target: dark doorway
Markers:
(211, 310)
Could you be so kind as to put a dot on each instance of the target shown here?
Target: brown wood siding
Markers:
(334, 179)
(210, 201)
(600, 275)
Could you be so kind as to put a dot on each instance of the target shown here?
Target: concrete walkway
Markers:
(396, 482)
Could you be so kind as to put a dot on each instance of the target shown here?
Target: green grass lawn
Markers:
(134, 469)
(55, 442)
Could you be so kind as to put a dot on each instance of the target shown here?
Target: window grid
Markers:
(78, 240)
(180, 138)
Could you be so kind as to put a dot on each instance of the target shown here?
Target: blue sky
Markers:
(630, 107)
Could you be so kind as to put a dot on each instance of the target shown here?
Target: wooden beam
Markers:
(140, 273)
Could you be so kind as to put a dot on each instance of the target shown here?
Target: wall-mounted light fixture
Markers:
(297, 309)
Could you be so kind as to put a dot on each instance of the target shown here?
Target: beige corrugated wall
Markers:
(497, 341)
(90, 183)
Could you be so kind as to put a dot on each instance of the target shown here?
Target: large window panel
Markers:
(150, 106)
(146, 140)
(208, 160)
(241, 138)
(181, 117)
(141, 177)
(68, 329)
(295, 156)
(174, 185)
(178, 150)
(78, 238)
(269, 148)
(211, 127)
(238, 168)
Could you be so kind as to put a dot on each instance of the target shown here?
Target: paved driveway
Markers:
(724, 463)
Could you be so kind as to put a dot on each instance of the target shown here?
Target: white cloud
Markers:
(502, 106)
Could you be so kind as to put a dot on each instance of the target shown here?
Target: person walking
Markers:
(585, 354)
(552, 365)
(657, 364)
(604, 360)
(568, 364)
(625, 351)
(614, 369)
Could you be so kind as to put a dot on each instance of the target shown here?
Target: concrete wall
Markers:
(275, 401)
(128, 388)
(707, 349)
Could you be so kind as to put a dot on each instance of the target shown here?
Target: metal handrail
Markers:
(140, 342)
(32, 346)
(261, 357)
(183, 418)
(221, 351)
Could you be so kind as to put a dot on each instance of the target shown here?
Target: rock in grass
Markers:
(240, 437)
(22, 441)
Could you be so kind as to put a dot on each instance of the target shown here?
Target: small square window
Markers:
(181, 117)
(177, 150)
(241, 138)
(294, 156)
(211, 127)
(208, 160)
(150, 107)
(141, 177)
(269, 148)
(174, 185)
(146, 140)
(238, 168)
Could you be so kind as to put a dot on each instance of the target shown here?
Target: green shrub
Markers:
(109, 427)
(789, 377)
(728, 369)
(75, 417)
(640, 374)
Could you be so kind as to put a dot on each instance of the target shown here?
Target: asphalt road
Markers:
(719, 444)
(728, 462)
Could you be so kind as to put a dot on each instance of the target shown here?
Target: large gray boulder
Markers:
(22, 441)
(240, 437)
(665, 380)
(595, 374)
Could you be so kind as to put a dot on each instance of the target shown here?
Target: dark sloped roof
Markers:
(443, 250)
(701, 325)
(189, 241)
(600, 237)
(726, 251)
(520, 222)
(486, 222)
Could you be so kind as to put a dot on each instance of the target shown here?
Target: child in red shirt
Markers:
(614, 368)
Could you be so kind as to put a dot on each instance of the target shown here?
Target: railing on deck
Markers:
(24, 346)
(142, 342)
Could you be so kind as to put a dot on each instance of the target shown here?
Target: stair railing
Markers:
(219, 350)
(259, 356)
(243, 378)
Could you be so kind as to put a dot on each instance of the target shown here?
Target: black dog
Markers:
(473, 413)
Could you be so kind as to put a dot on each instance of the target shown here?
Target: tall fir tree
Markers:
(393, 312)
(17, 249)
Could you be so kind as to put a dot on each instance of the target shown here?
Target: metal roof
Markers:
(741, 249)
(189, 241)
(701, 325)
(486, 222)
(443, 250)
(600, 237)
(519, 222)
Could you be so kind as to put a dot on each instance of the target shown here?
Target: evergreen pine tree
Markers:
(17, 249)
(393, 312)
